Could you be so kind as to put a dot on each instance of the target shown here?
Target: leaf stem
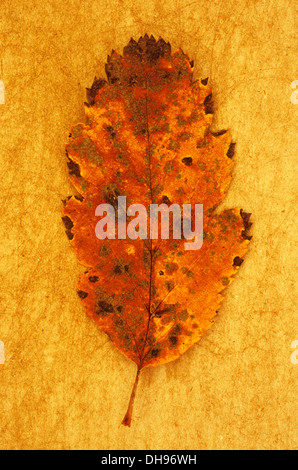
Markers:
(127, 418)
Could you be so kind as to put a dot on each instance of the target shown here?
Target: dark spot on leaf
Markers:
(173, 339)
(67, 222)
(218, 133)
(208, 103)
(104, 307)
(204, 81)
(69, 234)
(245, 236)
(161, 273)
(68, 225)
(104, 250)
(246, 216)
(111, 131)
(117, 269)
(82, 294)
(155, 352)
(237, 261)
(187, 161)
(171, 268)
(74, 168)
(166, 200)
(93, 278)
(158, 313)
(231, 151)
(169, 285)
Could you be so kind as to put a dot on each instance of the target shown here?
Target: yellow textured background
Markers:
(64, 385)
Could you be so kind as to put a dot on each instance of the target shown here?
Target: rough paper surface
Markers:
(64, 385)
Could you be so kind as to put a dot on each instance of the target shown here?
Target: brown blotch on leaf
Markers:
(117, 269)
(74, 168)
(82, 294)
(218, 133)
(208, 103)
(68, 225)
(158, 313)
(67, 222)
(237, 261)
(173, 334)
(93, 278)
(187, 161)
(246, 216)
(69, 234)
(155, 352)
(173, 339)
(166, 200)
(104, 308)
(231, 151)
(171, 267)
(64, 201)
(111, 131)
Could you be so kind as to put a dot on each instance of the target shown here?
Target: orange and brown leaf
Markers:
(147, 137)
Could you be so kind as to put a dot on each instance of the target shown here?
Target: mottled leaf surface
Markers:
(147, 137)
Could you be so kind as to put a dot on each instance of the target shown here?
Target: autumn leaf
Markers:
(147, 137)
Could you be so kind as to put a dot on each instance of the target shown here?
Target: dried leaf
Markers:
(147, 136)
